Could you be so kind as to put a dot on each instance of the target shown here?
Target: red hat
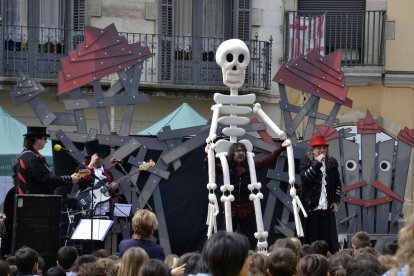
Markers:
(318, 140)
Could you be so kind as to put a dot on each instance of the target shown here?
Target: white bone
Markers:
(248, 145)
(213, 128)
(211, 166)
(231, 99)
(258, 110)
(233, 131)
(291, 163)
(233, 120)
(235, 109)
(223, 146)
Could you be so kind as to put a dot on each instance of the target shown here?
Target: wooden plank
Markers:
(402, 164)
(351, 175)
(102, 114)
(162, 222)
(80, 118)
(369, 170)
(386, 165)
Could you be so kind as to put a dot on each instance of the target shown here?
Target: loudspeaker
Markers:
(37, 225)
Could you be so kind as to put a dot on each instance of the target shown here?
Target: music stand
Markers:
(122, 210)
(100, 229)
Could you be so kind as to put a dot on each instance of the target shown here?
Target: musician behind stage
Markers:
(94, 157)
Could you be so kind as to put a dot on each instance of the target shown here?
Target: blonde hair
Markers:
(171, 260)
(405, 251)
(131, 261)
(144, 224)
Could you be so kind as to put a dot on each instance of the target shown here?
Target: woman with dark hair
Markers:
(321, 193)
(226, 254)
(154, 268)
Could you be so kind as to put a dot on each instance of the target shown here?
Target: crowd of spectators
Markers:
(229, 254)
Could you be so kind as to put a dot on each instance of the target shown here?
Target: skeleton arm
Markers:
(257, 109)
(214, 122)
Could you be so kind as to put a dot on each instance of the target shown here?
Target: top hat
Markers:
(93, 147)
(36, 131)
(318, 140)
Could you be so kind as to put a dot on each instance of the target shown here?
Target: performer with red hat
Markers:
(321, 193)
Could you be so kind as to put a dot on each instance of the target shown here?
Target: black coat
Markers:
(311, 176)
(33, 175)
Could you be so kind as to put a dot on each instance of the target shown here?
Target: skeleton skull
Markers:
(233, 57)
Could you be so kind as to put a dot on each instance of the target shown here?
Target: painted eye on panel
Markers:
(351, 165)
(385, 165)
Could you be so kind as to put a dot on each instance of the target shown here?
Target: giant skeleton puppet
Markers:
(233, 57)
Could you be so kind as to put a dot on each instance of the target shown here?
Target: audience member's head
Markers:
(90, 269)
(405, 251)
(313, 265)
(298, 244)
(338, 262)
(363, 264)
(56, 271)
(286, 243)
(368, 249)
(13, 270)
(390, 248)
(282, 261)
(348, 251)
(387, 262)
(101, 253)
(4, 268)
(154, 267)
(66, 257)
(84, 259)
(320, 247)
(306, 249)
(258, 265)
(184, 258)
(144, 223)
(132, 261)
(226, 253)
(40, 265)
(171, 260)
(11, 260)
(26, 260)
(108, 265)
(195, 264)
(361, 239)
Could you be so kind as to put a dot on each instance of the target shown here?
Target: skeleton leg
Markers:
(213, 208)
(226, 189)
(260, 235)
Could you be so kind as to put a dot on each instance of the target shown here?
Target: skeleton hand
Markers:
(286, 143)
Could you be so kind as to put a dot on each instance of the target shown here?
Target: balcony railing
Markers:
(175, 60)
(360, 35)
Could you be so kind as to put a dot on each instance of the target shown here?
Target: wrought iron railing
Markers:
(360, 35)
(176, 60)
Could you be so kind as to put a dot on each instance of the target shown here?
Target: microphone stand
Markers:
(132, 184)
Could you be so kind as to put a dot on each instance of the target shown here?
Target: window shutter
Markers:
(345, 21)
(167, 30)
(79, 10)
(243, 19)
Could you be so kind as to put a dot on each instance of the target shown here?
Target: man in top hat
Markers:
(99, 175)
(32, 173)
(321, 193)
